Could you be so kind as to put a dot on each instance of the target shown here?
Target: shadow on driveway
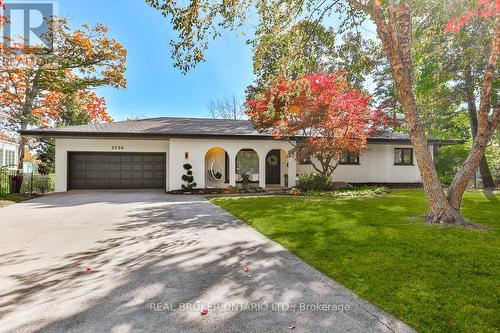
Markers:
(151, 256)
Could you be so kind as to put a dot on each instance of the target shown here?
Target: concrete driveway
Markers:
(157, 260)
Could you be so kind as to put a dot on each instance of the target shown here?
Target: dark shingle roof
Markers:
(178, 127)
(163, 126)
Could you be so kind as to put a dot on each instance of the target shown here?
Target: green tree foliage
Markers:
(72, 111)
(198, 22)
(309, 47)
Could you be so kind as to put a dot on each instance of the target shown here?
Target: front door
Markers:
(273, 167)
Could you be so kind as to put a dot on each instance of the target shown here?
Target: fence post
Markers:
(31, 182)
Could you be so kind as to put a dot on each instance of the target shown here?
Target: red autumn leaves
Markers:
(486, 9)
(330, 116)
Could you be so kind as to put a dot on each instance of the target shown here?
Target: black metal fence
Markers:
(33, 182)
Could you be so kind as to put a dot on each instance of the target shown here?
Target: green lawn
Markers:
(9, 199)
(436, 279)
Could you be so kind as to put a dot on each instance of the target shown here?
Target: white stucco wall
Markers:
(63, 146)
(197, 148)
(376, 165)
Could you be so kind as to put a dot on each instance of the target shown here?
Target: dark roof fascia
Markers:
(408, 141)
(73, 134)
(60, 134)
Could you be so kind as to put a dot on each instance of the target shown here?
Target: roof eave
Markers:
(76, 134)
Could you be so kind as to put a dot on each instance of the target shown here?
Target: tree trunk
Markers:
(30, 96)
(21, 148)
(487, 125)
(395, 33)
(396, 40)
(484, 169)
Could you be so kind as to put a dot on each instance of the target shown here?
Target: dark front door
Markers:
(99, 170)
(273, 167)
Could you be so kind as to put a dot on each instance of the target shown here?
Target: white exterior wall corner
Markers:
(63, 146)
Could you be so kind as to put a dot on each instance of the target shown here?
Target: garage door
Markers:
(96, 170)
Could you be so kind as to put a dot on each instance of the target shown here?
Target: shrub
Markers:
(314, 182)
(245, 180)
(38, 183)
(188, 178)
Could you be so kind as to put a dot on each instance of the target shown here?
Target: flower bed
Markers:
(225, 190)
(356, 192)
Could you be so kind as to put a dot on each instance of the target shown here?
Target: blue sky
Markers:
(154, 86)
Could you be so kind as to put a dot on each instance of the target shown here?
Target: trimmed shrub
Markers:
(314, 182)
(188, 178)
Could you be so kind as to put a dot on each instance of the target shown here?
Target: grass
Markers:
(435, 279)
(9, 199)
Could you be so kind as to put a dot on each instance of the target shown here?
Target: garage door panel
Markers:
(114, 167)
(116, 170)
(137, 166)
(137, 175)
(91, 158)
(125, 175)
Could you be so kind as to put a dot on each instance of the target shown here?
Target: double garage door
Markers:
(100, 170)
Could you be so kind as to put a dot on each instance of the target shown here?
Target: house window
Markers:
(10, 158)
(349, 158)
(403, 156)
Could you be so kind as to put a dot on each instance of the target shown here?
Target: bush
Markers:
(314, 182)
(188, 178)
(41, 183)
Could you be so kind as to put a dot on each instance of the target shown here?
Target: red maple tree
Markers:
(319, 114)
(485, 9)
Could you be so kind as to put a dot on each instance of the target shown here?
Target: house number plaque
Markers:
(116, 147)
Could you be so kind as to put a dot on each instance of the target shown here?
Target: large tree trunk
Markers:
(484, 169)
(487, 125)
(395, 34)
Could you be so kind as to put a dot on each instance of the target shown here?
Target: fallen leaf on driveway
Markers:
(204, 312)
(246, 269)
(89, 269)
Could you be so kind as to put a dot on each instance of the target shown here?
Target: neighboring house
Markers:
(150, 153)
(8, 152)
